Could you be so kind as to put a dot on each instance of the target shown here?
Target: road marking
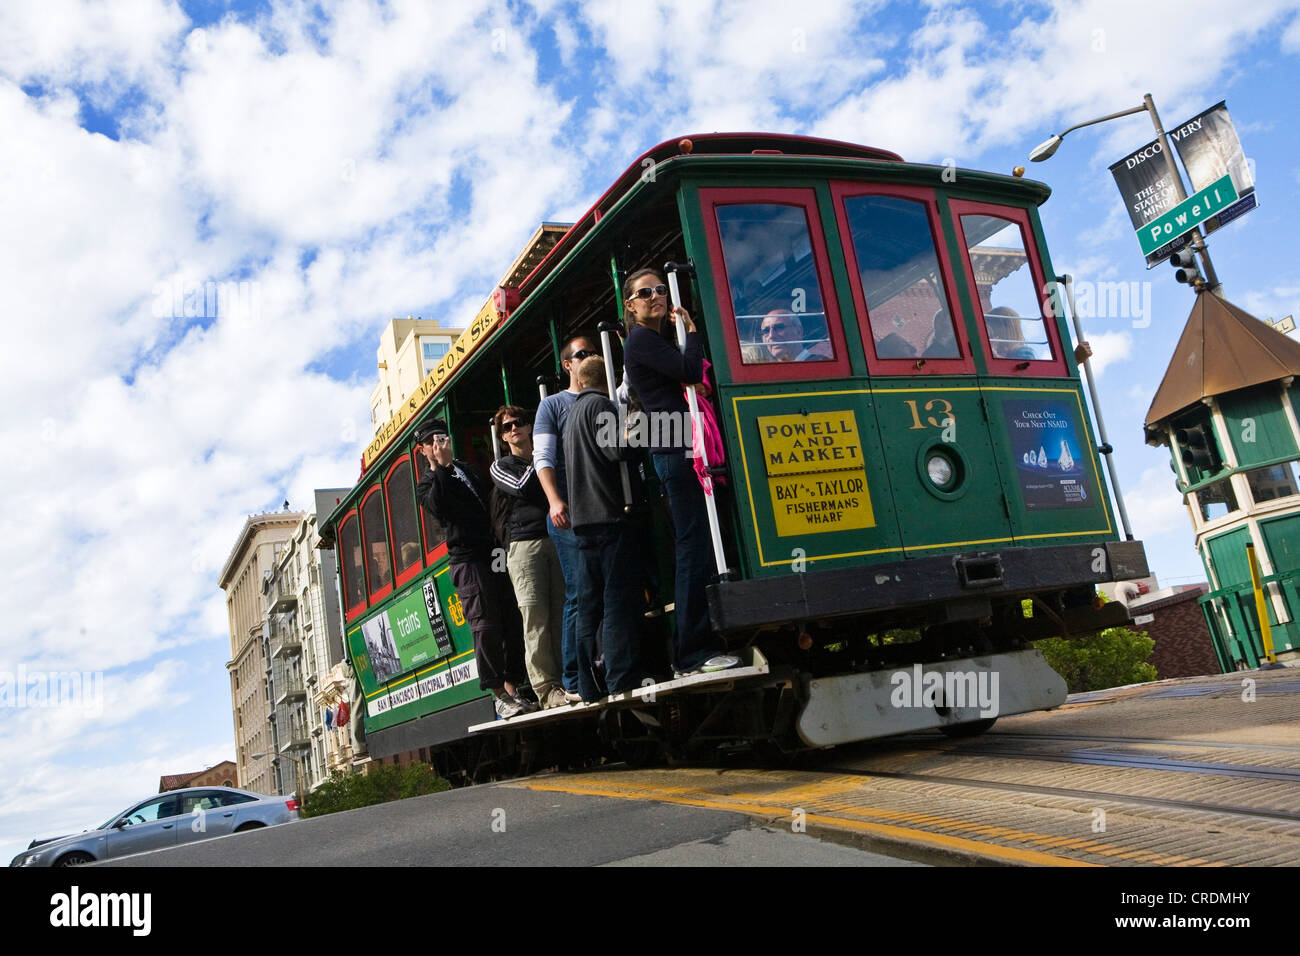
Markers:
(797, 796)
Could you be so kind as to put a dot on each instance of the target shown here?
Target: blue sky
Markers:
(360, 161)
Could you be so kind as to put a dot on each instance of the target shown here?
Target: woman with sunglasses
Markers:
(531, 558)
(656, 370)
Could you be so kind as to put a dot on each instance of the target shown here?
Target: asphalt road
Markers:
(509, 826)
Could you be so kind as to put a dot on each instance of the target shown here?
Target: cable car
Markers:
(912, 489)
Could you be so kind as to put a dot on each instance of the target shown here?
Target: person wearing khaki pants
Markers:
(531, 558)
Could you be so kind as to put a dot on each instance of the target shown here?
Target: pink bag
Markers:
(712, 437)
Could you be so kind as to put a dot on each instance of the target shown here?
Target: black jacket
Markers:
(593, 447)
(463, 513)
(656, 370)
(515, 478)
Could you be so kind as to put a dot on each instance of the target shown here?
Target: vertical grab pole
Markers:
(496, 445)
(606, 330)
(711, 506)
(1106, 449)
(541, 387)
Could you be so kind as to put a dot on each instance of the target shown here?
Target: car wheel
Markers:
(75, 858)
(249, 826)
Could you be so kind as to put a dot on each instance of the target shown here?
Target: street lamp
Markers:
(1046, 149)
(299, 791)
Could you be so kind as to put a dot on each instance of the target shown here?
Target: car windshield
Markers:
(109, 822)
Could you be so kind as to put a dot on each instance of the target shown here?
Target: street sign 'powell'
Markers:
(1187, 215)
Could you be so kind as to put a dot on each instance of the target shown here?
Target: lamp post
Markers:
(299, 790)
(1045, 150)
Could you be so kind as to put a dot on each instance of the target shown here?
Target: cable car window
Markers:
(772, 277)
(354, 576)
(907, 304)
(1008, 295)
(379, 565)
(401, 508)
(434, 534)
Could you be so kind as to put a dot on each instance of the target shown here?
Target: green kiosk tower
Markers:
(1227, 410)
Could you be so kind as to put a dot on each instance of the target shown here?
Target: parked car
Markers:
(163, 820)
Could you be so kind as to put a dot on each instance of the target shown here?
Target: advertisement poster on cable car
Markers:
(1049, 459)
(400, 638)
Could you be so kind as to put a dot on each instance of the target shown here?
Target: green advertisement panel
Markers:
(406, 634)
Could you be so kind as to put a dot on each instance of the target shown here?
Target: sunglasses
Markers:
(649, 292)
(581, 354)
(512, 425)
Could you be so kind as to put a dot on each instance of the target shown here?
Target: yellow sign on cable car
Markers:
(816, 477)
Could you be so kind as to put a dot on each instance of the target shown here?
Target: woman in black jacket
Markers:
(531, 558)
(656, 370)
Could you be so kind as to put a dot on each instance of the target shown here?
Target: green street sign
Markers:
(1187, 215)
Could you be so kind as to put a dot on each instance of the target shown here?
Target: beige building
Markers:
(409, 349)
(304, 659)
(255, 555)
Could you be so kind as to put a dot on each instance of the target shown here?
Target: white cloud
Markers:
(1272, 303)
(103, 46)
(1108, 348)
(1154, 505)
(1291, 37)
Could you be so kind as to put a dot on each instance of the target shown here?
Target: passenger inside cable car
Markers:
(785, 340)
(1007, 336)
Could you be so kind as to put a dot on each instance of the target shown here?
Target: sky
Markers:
(354, 162)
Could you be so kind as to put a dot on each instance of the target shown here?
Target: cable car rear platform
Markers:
(752, 671)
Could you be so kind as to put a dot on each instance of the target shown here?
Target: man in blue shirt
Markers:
(548, 461)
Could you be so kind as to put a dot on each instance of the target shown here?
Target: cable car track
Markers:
(1068, 792)
(1135, 761)
(1152, 741)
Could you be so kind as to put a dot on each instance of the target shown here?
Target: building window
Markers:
(432, 353)
(1275, 481)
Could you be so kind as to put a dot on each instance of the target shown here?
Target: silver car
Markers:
(165, 819)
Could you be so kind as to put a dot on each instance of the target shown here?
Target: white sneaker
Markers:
(720, 663)
(507, 708)
(556, 698)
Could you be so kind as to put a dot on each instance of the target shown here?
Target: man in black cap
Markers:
(457, 494)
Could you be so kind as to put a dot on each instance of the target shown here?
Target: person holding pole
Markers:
(548, 460)
(656, 371)
(531, 559)
(608, 564)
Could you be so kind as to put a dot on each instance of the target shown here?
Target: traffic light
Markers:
(1185, 268)
(1198, 448)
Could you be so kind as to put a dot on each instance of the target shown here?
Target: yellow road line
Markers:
(697, 798)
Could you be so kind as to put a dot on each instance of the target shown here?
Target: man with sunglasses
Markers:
(784, 340)
(457, 494)
(531, 559)
(548, 460)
